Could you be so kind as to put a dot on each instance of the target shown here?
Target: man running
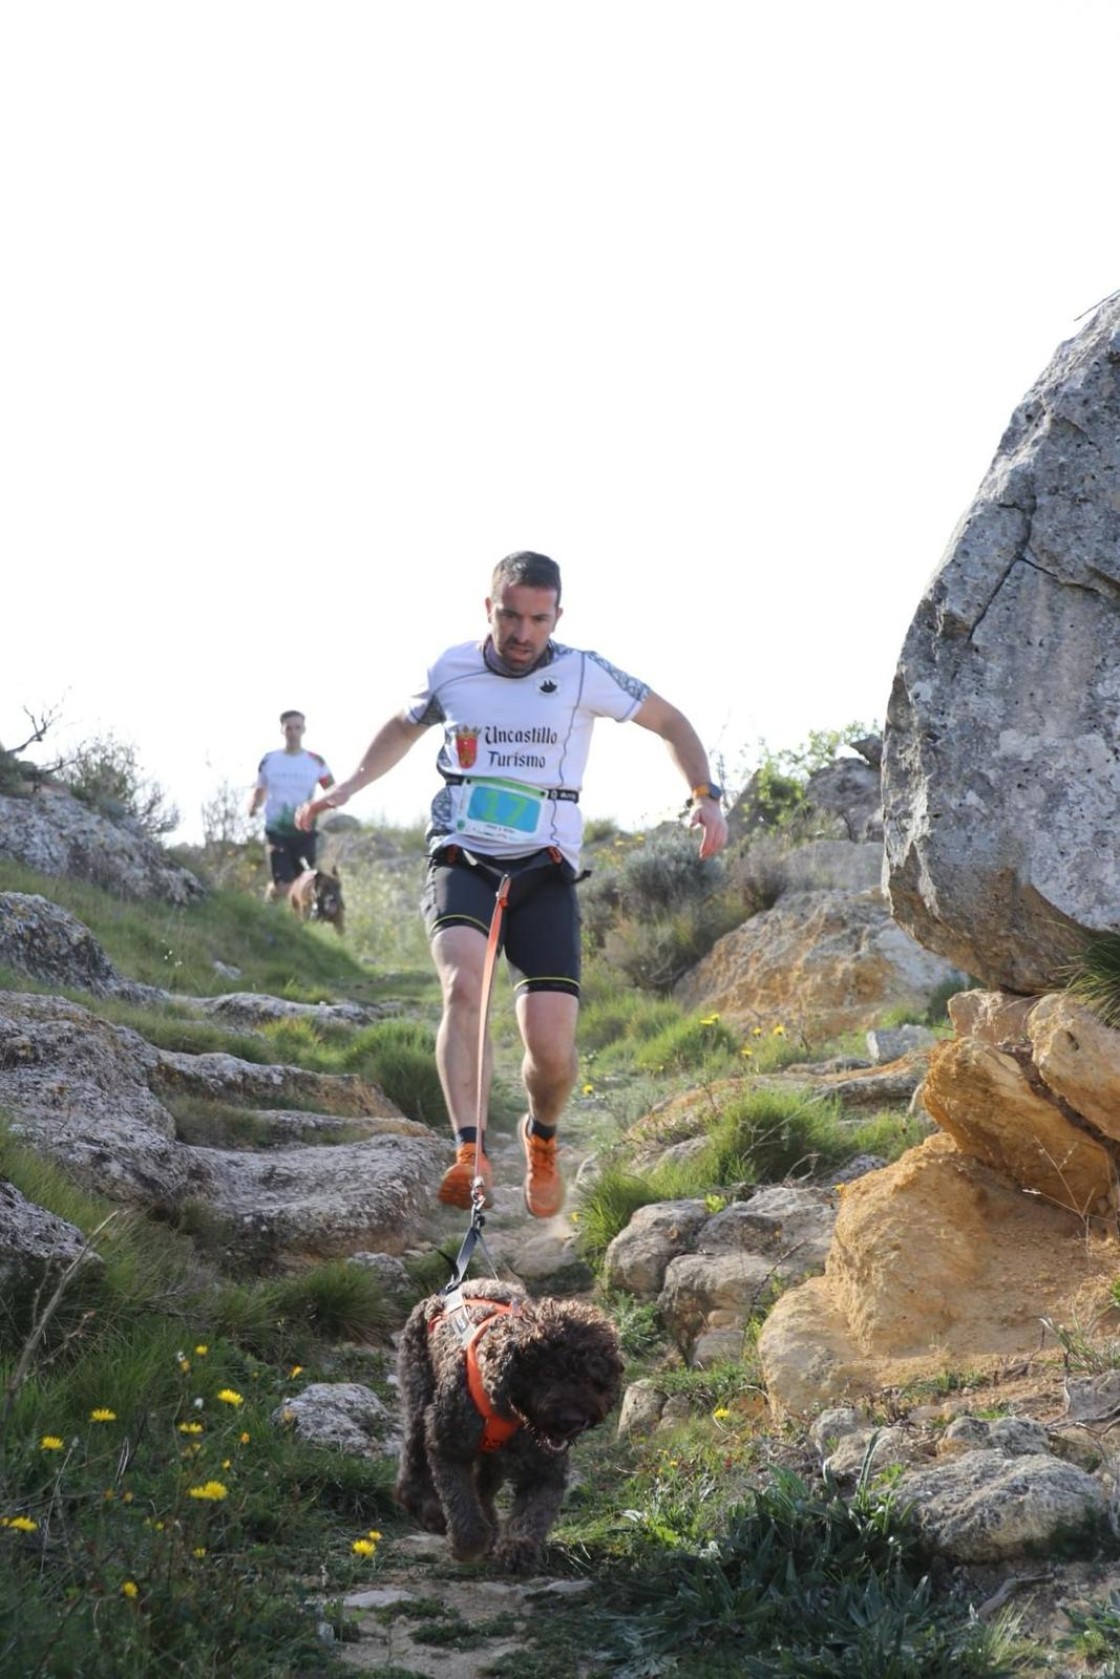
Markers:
(516, 711)
(286, 779)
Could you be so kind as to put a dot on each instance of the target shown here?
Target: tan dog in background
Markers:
(316, 895)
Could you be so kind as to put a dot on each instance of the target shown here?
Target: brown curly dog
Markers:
(544, 1370)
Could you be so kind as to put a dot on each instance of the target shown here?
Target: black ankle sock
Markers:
(536, 1129)
(469, 1134)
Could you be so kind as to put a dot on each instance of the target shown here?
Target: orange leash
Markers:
(478, 1188)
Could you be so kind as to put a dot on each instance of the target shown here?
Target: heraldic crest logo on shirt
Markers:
(466, 747)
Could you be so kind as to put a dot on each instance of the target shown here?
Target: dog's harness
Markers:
(496, 1429)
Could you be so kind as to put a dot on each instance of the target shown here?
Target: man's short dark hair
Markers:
(284, 715)
(534, 571)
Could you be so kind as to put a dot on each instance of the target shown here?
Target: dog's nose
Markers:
(570, 1421)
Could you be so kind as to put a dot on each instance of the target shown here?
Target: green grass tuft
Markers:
(1094, 978)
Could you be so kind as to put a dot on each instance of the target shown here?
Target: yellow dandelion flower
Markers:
(212, 1491)
(364, 1547)
(23, 1524)
(243, 1439)
(374, 1534)
(229, 1397)
(191, 1428)
(779, 1031)
(720, 1414)
(202, 1349)
(756, 1032)
(50, 1443)
(199, 1551)
(227, 1463)
(747, 1052)
(130, 1589)
(296, 1370)
(184, 1363)
(589, 1090)
(102, 1413)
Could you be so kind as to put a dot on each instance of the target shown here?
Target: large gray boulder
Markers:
(849, 789)
(1001, 769)
(44, 940)
(56, 834)
(35, 1244)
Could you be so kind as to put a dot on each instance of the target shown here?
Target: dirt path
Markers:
(427, 1617)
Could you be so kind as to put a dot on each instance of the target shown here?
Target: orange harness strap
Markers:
(496, 1429)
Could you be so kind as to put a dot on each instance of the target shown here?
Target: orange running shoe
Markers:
(455, 1190)
(544, 1187)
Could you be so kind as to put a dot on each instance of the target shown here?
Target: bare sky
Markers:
(312, 314)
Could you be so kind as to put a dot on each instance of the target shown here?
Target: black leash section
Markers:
(473, 1239)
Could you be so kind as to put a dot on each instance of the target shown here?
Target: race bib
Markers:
(498, 810)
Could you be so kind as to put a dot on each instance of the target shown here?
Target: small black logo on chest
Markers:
(547, 686)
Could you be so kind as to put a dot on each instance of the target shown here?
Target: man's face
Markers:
(521, 621)
(293, 728)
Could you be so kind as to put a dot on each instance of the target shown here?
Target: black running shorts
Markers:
(288, 854)
(541, 926)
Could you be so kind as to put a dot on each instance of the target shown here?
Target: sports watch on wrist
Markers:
(706, 790)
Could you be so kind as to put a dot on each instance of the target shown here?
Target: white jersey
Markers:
(288, 780)
(515, 747)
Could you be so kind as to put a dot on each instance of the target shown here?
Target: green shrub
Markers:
(656, 952)
(653, 879)
(400, 1056)
(337, 1301)
(105, 772)
(766, 1136)
(203, 1122)
(758, 873)
(1093, 978)
(806, 1585)
(761, 1136)
(19, 777)
(606, 1206)
(170, 1030)
(691, 1045)
(640, 1330)
(598, 829)
(279, 1319)
(775, 794)
(617, 1020)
